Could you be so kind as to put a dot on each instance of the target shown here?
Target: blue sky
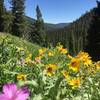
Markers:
(58, 11)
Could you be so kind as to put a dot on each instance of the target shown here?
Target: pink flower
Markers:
(10, 92)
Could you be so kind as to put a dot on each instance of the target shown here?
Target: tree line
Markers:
(73, 36)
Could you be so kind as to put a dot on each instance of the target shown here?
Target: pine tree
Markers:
(93, 38)
(71, 45)
(2, 11)
(7, 21)
(18, 24)
(38, 34)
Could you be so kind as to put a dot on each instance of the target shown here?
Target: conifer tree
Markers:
(18, 24)
(8, 21)
(2, 11)
(38, 34)
(93, 38)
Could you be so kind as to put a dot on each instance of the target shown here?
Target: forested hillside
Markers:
(74, 35)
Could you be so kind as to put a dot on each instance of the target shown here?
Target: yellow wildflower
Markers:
(50, 69)
(98, 65)
(21, 77)
(83, 56)
(75, 82)
(50, 54)
(61, 49)
(65, 74)
(64, 51)
(28, 59)
(42, 51)
(74, 64)
(38, 59)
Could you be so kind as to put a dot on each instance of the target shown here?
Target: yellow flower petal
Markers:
(21, 77)
(75, 82)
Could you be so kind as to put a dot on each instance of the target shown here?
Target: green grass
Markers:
(19, 42)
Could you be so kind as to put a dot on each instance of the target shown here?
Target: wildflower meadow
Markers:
(47, 74)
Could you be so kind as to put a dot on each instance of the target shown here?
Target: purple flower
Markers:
(10, 92)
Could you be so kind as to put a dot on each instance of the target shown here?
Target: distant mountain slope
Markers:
(48, 26)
